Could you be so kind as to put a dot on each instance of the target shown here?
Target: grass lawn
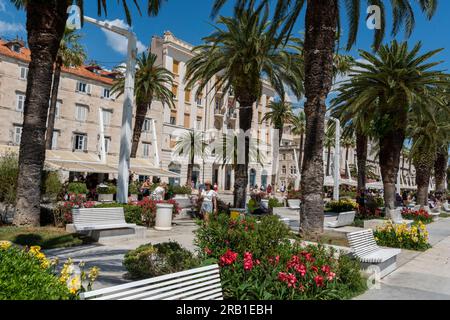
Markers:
(444, 215)
(45, 237)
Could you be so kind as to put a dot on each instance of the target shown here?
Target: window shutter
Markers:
(88, 88)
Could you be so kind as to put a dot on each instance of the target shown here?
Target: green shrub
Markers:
(174, 190)
(9, 171)
(23, 276)
(52, 184)
(274, 203)
(107, 189)
(155, 260)
(252, 205)
(245, 234)
(133, 213)
(343, 205)
(77, 188)
(134, 188)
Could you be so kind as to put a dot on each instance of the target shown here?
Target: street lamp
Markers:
(127, 115)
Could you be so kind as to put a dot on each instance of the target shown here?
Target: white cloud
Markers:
(119, 43)
(6, 27)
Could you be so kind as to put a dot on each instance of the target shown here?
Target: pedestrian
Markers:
(209, 202)
(160, 192)
(145, 189)
(216, 187)
(269, 189)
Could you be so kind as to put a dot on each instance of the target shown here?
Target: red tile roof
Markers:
(25, 56)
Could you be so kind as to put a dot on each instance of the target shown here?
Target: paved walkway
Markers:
(420, 276)
(108, 255)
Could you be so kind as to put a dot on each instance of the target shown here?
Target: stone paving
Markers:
(108, 255)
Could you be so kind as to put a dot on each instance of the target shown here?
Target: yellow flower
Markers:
(5, 245)
(93, 274)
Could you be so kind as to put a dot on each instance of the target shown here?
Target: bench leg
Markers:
(385, 268)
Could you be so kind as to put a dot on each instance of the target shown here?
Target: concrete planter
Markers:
(163, 221)
(105, 198)
(183, 201)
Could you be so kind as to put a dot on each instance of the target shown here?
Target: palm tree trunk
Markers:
(241, 170)
(346, 162)
(361, 154)
(328, 159)
(320, 26)
(190, 168)
(440, 170)
(141, 113)
(300, 154)
(53, 102)
(276, 157)
(46, 21)
(390, 148)
(423, 166)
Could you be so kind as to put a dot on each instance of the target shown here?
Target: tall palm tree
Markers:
(389, 86)
(70, 54)
(242, 52)
(440, 168)
(427, 136)
(46, 21)
(299, 129)
(321, 24)
(191, 144)
(279, 116)
(152, 82)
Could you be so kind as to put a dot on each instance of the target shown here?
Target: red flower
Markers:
(228, 258)
(288, 278)
(326, 269)
(315, 269)
(257, 262)
(248, 261)
(208, 251)
(331, 276)
(319, 281)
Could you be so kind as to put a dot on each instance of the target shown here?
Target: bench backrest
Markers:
(293, 203)
(98, 216)
(362, 242)
(346, 218)
(195, 284)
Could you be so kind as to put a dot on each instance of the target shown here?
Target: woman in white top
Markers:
(159, 192)
(209, 201)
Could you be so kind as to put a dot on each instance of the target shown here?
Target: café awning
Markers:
(90, 163)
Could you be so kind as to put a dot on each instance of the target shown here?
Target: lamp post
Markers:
(127, 114)
(337, 158)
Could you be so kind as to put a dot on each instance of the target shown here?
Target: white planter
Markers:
(105, 198)
(183, 201)
(163, 221)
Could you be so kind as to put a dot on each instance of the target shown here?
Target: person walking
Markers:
(160, 192)
(209, 202)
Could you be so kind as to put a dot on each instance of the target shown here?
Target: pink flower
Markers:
(248, 261)
(319, 281)
(331, 276)
(288, 278)
(315, 269)
(326, 269)
(257, 262)
(208, 251)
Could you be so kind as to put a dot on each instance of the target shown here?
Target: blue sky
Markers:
(190, 21)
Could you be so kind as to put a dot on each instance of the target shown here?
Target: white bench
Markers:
(294, 204)
(195, 284)
(446, 206)
(366, 250)
(93, 219)
(343, 219)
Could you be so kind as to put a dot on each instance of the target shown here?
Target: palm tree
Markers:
(321, 24)
(70, 54)
(191, 144)
(389, 86)
(427, 136)
(299, 129)
(242, 52)
(440, 168)
(152, 82)
(280, 115)
(46, 21)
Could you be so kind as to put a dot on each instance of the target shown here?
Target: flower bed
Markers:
(259, 262)
(417, 215)
(26, 274)
(400, 236)
(63, 214)
(343, 205)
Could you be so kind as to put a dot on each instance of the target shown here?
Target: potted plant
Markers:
(159, 214)
(106, 192)
(77, 188)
